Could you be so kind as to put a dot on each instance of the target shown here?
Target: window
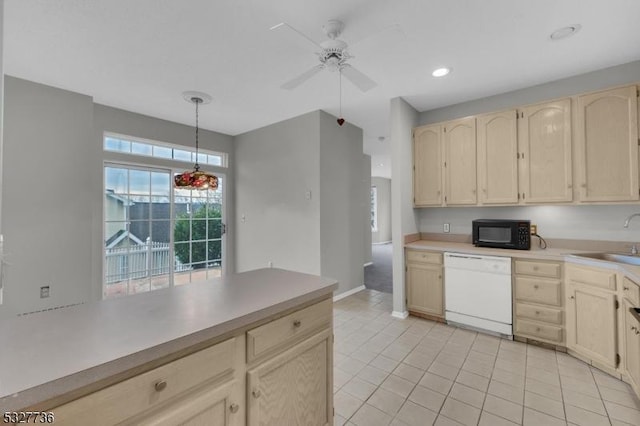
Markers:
(374, 209)
(156, 236)
(129, 145)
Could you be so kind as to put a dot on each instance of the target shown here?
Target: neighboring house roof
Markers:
(124, 201)
(121, 235)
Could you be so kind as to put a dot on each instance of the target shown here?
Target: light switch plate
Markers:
(445, 228)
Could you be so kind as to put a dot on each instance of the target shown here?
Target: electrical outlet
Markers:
(534, 229)
(44, 292)
(445, 228)
(270, 264)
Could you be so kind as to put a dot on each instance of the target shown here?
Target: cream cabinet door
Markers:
(427, 166)
(425, 289)
(607, 137)
(460, 162)
(497, 158)
(591, 323)
(295, 387)
(213, 405)
(545, 152)
(632, 345)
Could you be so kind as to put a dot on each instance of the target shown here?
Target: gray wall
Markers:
(403, 118)
(342, 198)
(366, 208)
(383, 186)
(574, 222)
(52, 217)
(47, 171)
(276, 167)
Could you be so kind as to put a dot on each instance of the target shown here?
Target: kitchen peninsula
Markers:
(183, 351)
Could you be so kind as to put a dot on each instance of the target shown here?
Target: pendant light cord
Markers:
(197, 102)
(340, 93)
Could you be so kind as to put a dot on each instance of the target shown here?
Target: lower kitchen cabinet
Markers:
(632, 347)
(279, 372)
(539, 307)
(212, 405)
(295, 387)
(425, 286)
(592, 315)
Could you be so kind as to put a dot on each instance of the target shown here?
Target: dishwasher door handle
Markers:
(465, 256)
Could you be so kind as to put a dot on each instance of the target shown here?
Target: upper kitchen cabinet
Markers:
(497, 158)
(545, 152)
(460, 162)
(607, 142)
(427, 166)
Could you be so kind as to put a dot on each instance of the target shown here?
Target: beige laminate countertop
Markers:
(555, 253)
(49, 354)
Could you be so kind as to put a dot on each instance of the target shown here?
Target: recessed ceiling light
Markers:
(565, 32)
(441, 72)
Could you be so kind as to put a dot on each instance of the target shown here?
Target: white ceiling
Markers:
(140, 55)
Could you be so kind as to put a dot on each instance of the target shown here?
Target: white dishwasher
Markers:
(478, 292)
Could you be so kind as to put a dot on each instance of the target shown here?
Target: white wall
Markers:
(571, 222)
(1, 100)
(383, 186)
(403, 118)
(52, 193)
(342, 202)
(276, 166)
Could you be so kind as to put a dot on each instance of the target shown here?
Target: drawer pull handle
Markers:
(160, 386)
(256, 393)
(571, 297)
(535, 268)
(297, 323)
(537, 312)
(234, 408)
(535, 286)
(625, 288)
(637, 332)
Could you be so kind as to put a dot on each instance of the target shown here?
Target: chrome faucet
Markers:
(634, 248)
(626, 222)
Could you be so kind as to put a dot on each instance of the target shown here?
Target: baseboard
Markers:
(368, 264)
(381, 242)
(348, 293)
(401, 315)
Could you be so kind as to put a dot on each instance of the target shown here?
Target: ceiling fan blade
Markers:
(360, 80)
(293, 83)
(300, 33)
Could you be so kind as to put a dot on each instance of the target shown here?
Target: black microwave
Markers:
(502, 233)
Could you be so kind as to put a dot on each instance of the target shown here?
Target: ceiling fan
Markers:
(333, 56)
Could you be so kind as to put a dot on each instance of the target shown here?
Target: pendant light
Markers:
(196, 179)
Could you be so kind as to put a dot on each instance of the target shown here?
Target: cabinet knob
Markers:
(537, 312)
(535, 286)
(234, 408)
(633, 327)
(256, 393)
(538, 329)
(625, 288)
(297, 323)
(569, 186)
(160, 385)
(535, 268)
(571, 297)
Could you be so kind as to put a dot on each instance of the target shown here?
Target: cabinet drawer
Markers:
(541, 331)
(591, 276)
(539, 269)
(284, 331)
(631, 291)
(150, 390)
(424, 257)
(538, 290)
(539, 313)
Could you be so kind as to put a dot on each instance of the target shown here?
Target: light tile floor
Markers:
(418, 372)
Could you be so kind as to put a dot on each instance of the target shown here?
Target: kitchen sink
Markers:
(629, 259)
